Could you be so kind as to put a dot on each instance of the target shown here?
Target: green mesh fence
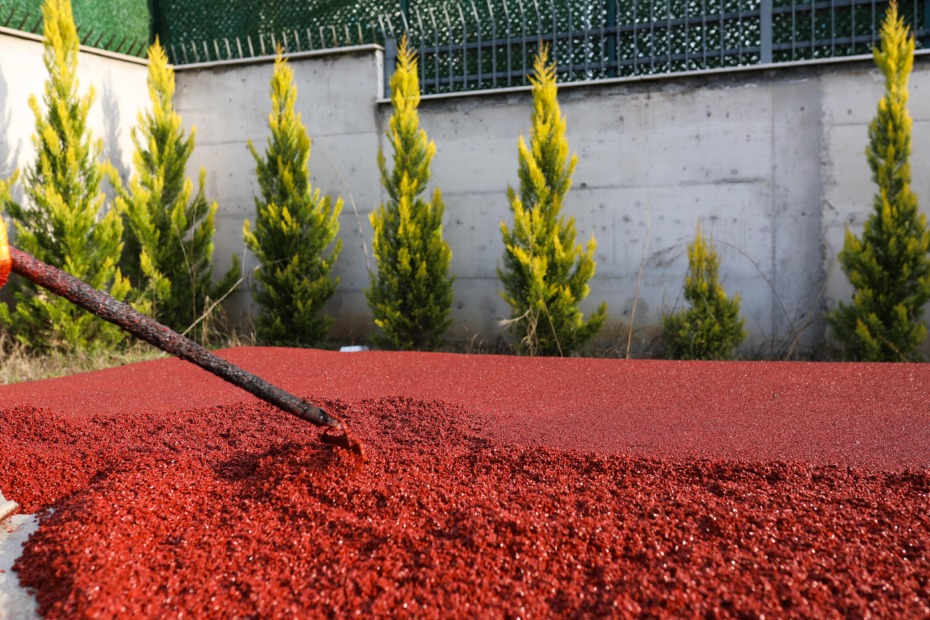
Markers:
(123, 26)
(196, 31)
(479, 44)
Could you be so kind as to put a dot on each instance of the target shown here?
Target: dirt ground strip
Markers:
(494, 487)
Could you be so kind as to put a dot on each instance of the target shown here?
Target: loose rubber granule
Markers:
(238, 511)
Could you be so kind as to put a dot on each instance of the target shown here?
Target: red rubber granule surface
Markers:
(235, 510)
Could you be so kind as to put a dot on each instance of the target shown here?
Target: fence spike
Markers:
(432, 18)
(309, 39)
(464, 44)
(196, 55)
(239, 46)
(206, 52)
(390, 26)
(297, 38)
(539, 27)
(251, 49)
(403, 19)
(261, 41)
(9, 17)
(445, 11)
(228, 51)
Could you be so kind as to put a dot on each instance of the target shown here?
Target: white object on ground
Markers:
(6, 507)
(355, 348)
(15, 602)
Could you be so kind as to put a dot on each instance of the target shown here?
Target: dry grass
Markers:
(18, 364)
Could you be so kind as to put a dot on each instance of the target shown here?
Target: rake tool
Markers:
(145, 328)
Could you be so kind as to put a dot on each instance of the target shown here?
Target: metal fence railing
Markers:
(482, 44)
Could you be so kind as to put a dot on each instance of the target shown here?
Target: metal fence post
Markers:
(925, 39)
(765, 27)
(613, 32)
(390, 63)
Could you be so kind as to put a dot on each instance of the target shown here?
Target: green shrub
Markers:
(888, 266)
(170, 233)
(293, 227)
(710, 328)
(545, 274)
(411, 296)
(63, 225)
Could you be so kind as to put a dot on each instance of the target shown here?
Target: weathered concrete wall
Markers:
(655, 158)
(769, 161)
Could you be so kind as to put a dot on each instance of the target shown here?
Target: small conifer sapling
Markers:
(170, 228)
(294, 227)
(545, 273)
(888, 266)
(411, 294)
(710, 328)
(65, 224)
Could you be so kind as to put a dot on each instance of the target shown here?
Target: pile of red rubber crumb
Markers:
(239, 511)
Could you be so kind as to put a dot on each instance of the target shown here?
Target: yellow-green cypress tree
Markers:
(63, 225)
(545, 274)
(710, 328)
(170, 228)
(294, 226)
(411, 295)
(888, 266)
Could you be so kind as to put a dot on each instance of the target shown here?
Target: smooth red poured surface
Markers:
(495, 486)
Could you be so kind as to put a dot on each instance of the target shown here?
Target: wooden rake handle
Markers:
(145, 328)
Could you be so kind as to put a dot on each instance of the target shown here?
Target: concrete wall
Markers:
(655, 158)
(769, 161)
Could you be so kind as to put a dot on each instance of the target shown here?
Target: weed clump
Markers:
(710, 328)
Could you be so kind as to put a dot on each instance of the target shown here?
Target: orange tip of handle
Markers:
(6, 263)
